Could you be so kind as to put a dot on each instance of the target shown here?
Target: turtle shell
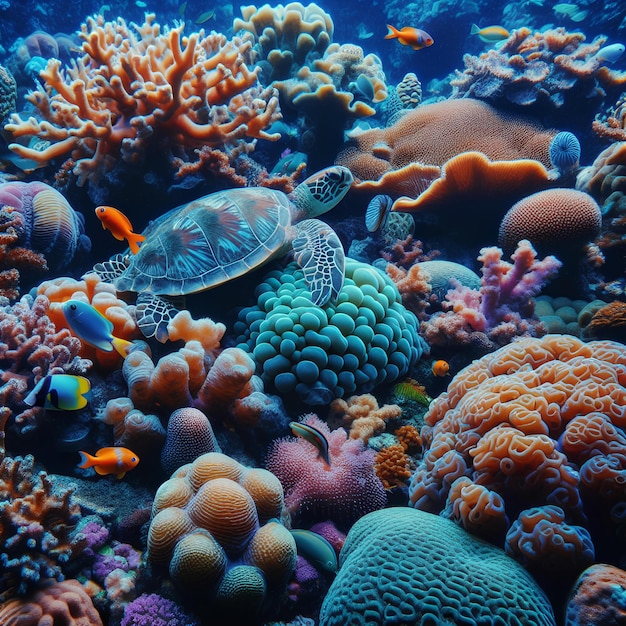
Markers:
(209, 241)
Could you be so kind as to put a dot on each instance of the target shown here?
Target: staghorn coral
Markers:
(136, 88)
(501, 422)
(534, 69)
(343, 492)
(31, 347)
(62, 603)
(367, 337)
(37, 523)
(501, 308)
(405, 566)
(363, 415)
(212, 534)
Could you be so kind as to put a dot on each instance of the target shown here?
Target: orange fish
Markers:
(441, 368)
(119, 225)
(115, 460)
(409, 36)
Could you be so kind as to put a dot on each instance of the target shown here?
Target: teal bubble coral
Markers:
(365, 338)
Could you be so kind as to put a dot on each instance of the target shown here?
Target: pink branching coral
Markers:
(31, 347)
(502, 308)
(343, 492)
(136, 86)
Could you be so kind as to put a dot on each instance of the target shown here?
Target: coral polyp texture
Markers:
(554, 67)
(538, 423)
(214, 529)
(364, 338)
(343, 491)
(401, 566)
(137, 88)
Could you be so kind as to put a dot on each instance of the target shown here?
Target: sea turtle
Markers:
(223, 235)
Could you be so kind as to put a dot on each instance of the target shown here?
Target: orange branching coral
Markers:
(135, 86)
(413, 286)
(614, 126)
(364, 415)
(409, 438)
(538, 422)
(393, 466)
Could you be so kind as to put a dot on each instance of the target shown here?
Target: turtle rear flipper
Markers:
(318, 251)
(154, 313)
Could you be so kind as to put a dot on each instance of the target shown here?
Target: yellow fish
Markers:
(490, 34)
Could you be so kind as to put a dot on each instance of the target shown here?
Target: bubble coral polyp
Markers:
(524, 422)
(134, 83)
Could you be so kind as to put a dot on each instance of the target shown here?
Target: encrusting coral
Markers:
(136, 88)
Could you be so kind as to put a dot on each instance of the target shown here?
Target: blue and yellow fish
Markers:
(313, 436)
(490, 34)
(60, 392)
(90, 326)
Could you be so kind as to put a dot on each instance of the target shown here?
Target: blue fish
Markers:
(315, 549)
(60, 392)
(90, 326)
(610, 53)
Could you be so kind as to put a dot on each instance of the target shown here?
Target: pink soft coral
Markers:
(503, 307)
(343, 492)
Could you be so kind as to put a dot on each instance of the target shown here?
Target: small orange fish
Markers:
(114, 460)
(409, 36)
(441, 368)
(119, 225)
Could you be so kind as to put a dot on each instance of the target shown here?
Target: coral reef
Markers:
(151, 609)
(211, 529)
(37, 526)
(538, 422)
(136, 89)
(502, 308)
(48, 224)
(343, 492)
(554, 67)
(63, 603)
(319, 353)
(31, 347)
(407, 566)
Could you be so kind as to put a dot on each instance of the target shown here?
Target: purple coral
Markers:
(118, 556)
(151, 609)
(502, 308)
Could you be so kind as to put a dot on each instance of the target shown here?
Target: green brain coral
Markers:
(404, 566)
(350, 346)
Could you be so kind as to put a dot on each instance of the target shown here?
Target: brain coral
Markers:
(401, 566)
(212, 518)
(538, 422)
(553, 220)
(365, 338)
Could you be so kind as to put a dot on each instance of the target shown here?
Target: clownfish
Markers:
(490, 34)
(115, 460)
(60, 392)
(120, 226)
(441, 368)
(90, 326)
(416, 38)
(313, 436)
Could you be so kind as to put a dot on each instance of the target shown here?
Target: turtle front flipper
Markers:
(109, 270)
(154, 313)
(319, 253)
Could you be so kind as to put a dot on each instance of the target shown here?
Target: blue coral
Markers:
(564, 151)
(364, 339)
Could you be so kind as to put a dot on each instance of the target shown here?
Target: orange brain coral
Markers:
(553, 217)
(538, 422)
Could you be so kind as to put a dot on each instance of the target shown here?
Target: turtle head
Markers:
(320, 192)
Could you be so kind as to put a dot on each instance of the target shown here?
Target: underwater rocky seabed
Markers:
(462, 399)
